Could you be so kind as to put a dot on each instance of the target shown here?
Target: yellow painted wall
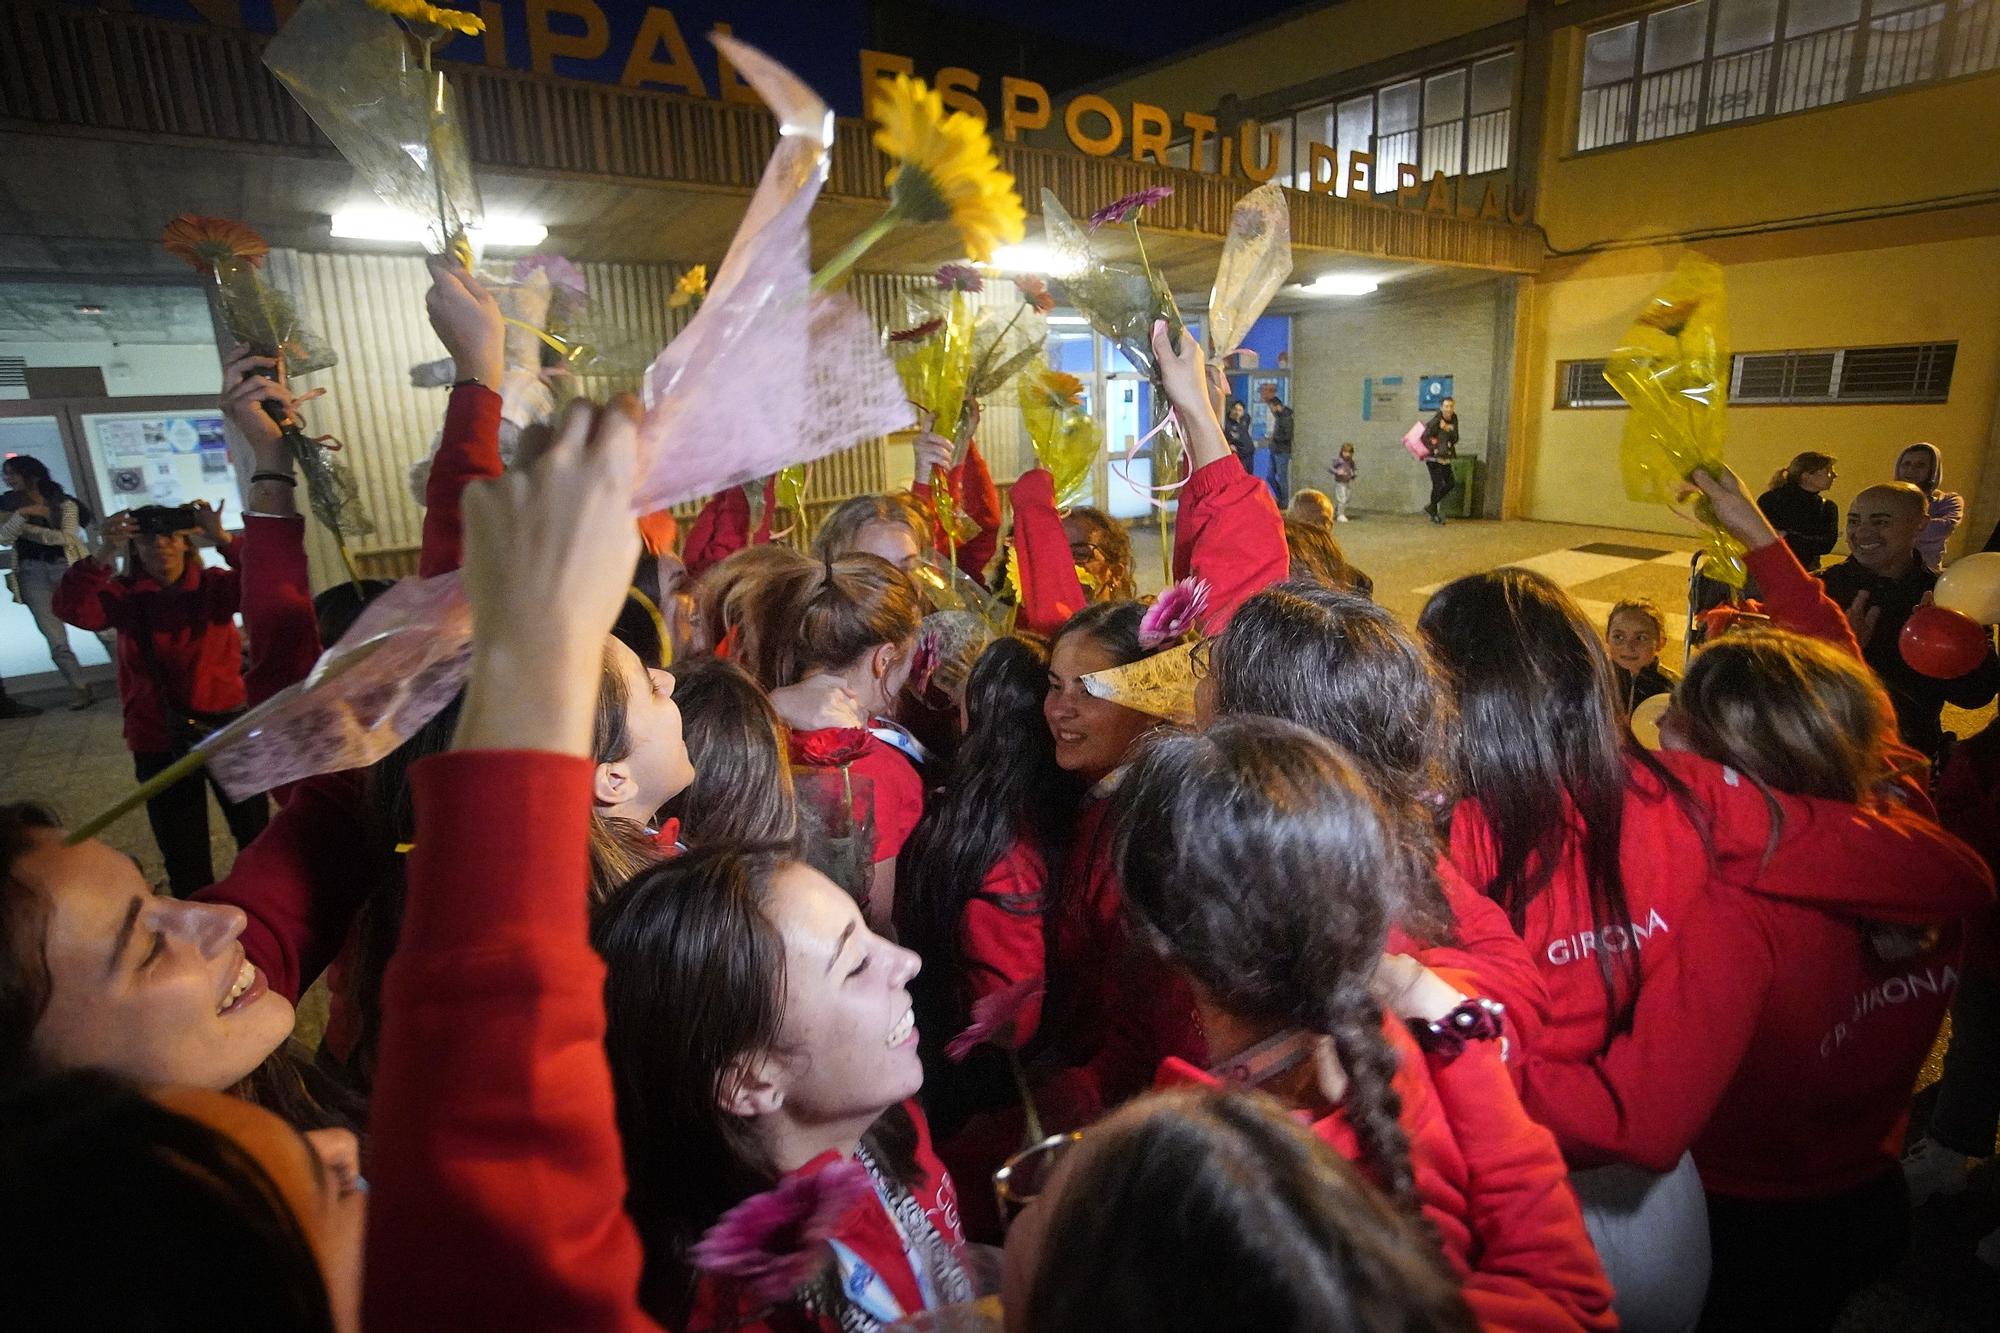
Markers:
(1920, 292)
(1892, 150)
(1311, 46)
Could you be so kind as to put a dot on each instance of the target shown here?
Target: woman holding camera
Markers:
(180, 664)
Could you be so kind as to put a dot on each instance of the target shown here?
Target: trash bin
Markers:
(1463, 502)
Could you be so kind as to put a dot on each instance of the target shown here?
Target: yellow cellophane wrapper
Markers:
(1159, 686)
(1672, 369)
(935, 369)
(1065, 436)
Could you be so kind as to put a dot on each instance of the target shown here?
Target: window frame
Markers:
(1846, 63)
(1567, 370)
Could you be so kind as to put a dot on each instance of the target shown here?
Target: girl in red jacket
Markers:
(1340, 666)
(1258, 864)
(847, 626)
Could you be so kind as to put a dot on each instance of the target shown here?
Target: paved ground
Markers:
(77, 763)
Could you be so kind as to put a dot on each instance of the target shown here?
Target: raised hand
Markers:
(249, 382)
(549, 552)
(468, 322)
(1184, 375)
(1733, 507)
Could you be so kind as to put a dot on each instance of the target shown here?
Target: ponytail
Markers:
(799, 616)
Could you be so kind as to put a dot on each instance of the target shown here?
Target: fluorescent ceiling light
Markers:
(1072, 321)
(388, 224)
(1030, 257)
(1342, 284)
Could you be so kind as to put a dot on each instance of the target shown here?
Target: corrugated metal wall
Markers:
(370, 308)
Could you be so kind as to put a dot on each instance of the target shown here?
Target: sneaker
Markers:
(1931, 1169)
(1988, 1250)
(11, 707)
(1343, 518)
(84, 699)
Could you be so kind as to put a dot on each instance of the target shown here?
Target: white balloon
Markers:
(1646, 719)
(1970, 585)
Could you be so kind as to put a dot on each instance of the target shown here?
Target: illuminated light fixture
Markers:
(90, 310)
(387, 224)
(1342, 284)
(1067, 321)
(1030, 257)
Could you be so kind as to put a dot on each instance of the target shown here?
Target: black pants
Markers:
(179, 816)
(1442, 482)
(1968, 1105)
(1788, 1266)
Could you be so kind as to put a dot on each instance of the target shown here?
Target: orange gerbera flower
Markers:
(203, 243)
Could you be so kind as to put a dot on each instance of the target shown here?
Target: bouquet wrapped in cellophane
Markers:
(1672, 368)
(934, 355)
(362, 70)
(266, 321)
(1065, 436)
(1256, 260)
(809, 361)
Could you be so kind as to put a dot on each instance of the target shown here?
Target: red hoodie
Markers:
(178, 648)
(1490, 1183)
(722, 528)
(1488, 959)
(497, 1176)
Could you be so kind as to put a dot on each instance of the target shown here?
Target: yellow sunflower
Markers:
(692, 286)
(946, 169)
(437, 16)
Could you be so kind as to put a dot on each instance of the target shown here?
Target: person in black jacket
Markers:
(1881, 582)
(1798, 508)
(1236, 429)
(1441, 438)
(1280, 444)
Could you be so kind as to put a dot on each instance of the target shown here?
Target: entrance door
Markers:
(24, 653)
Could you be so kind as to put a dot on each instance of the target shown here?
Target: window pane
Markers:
(1903, 46)
(1493, 84)
(1676, 36)
(1398, 106)
(1444, 97)
(1396, 110)
(1608, 55)
(1742, 24)
(1817, 15)
(1356, 132)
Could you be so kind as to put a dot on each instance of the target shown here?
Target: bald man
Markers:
(1880, 583)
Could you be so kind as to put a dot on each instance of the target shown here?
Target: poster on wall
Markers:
(1381, 397)
(160, 458)
(1432, 390)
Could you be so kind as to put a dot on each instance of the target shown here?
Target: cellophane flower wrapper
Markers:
(936, 369)
(1159, 686)
(1119, 300)
(1672, 369)
(361, 78)
(395, 669)
(265, 320)
(950, 588)
(1005, 343)
(837, 825)
(1065, 436)
(810, 363)
(1256, 260)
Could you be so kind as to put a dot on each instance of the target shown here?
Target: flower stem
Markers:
(854, 249)
(185, 766)
(1035, 1134)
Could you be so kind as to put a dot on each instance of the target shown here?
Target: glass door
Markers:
(24, 652)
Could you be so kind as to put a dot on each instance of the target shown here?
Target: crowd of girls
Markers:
(1400, 990)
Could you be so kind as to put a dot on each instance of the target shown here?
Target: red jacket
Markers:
(886, 781)
(1050, 591)
(1229, 534)
(303, 880)
(1001, 942)
(196, 657)
(277, 601)
(979, 499)
(722, 528)
(1489, 959)
(497, 1175)
(1490, 1183)
(1767, 1036)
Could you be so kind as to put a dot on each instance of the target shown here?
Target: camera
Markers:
(165, 520)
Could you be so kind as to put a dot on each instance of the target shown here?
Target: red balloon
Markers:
(1942, 643)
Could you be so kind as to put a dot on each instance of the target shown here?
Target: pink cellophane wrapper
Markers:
(1256, 260)
(394, 670)
(768, 373)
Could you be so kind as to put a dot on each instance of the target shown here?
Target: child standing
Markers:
(1343, 477)
(1635, 631)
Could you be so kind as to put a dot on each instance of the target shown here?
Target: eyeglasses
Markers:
(1198, 657)
(1085, 552)
(1027, 1173)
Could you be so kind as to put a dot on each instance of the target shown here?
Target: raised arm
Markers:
(1228, 532)
(498, 1177)
(1794, 599)
(1050, 590)
(467, 321)
(276, 592)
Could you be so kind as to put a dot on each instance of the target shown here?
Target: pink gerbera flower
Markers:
(995, 1019)
(1173, 613)
(960, 278)
(1118, 210)
(776, 1241)
(1035, 292)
